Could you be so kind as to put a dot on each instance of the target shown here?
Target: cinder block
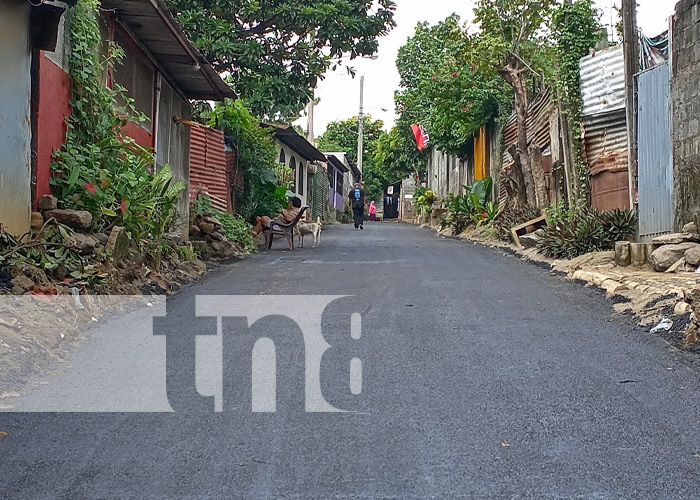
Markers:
(638, 254)
(650, 247)
(622, 253)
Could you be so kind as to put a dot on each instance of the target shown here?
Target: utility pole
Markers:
(310, 120)
(360, 128)
(630, 45)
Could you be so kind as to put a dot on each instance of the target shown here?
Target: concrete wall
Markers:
(685, 98)
(407, 211)
(15, 125)
(301, 169)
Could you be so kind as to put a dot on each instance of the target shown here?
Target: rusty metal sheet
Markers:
(208, 167)
(605, 154)
(539, 117)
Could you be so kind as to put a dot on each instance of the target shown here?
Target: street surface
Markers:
(482, 377)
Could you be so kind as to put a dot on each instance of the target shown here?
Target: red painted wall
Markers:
(139, 134)
(53, 105)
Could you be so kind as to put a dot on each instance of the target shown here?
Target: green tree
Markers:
(443, 89)
(576, 29)
(276, 51)
(256, 155)
(514, 41)
(341, 136)
(397, 155)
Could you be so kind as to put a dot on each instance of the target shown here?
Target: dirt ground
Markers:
(38, 328)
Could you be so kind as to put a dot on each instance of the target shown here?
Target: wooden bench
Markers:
(286, 229)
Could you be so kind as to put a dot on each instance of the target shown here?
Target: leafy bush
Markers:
(236, 229)
(424, 199)
(266, 183)
(619, 224)
(586, 230)
(511, 217)
(48, 250)
(98, 169)
(474, 207)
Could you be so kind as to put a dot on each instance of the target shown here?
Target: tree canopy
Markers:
(443, 88)
(342, 136)
(275, 51)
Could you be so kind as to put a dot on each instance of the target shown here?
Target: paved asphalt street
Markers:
(482, 377)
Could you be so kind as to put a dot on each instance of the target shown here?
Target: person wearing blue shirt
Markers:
(357, 201)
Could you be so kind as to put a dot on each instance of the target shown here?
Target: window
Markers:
(283, 159)
(137, 76)
(60, 57)
(301, 177)
(339, 182)
(293, 166)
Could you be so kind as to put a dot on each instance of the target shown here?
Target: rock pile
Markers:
(114, 253)
(677, 252)
(208, 236)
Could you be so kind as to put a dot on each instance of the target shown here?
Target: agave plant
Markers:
(586, 230)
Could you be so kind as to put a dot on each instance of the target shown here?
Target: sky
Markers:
(340, 93)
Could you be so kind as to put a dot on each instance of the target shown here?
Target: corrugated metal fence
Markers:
(541, 115)
(605, 127)
(603, 81)
(605, 153)
(655, 164)
(209, 170)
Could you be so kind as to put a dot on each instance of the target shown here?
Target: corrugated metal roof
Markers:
(287, 135)
(603, 81)
(154, 26)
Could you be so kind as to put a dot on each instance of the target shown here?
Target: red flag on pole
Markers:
(422, 139)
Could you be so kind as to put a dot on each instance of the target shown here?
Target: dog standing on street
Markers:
(308, 228)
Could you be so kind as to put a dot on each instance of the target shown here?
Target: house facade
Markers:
(299, 155)
(161, 71)
(342, 175)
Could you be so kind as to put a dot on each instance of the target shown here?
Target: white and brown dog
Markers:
(308, 228)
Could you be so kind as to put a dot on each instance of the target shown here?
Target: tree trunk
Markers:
(514, 73)
(512, 179)
(541, 191)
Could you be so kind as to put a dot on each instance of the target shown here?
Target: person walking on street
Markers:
(372, 211)
(357, 200)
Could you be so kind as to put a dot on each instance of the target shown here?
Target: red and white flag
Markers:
(422, 139)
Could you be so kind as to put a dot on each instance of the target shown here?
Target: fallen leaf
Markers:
(505, 444)
(3, 434)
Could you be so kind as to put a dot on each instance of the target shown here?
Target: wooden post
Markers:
(630, 45)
